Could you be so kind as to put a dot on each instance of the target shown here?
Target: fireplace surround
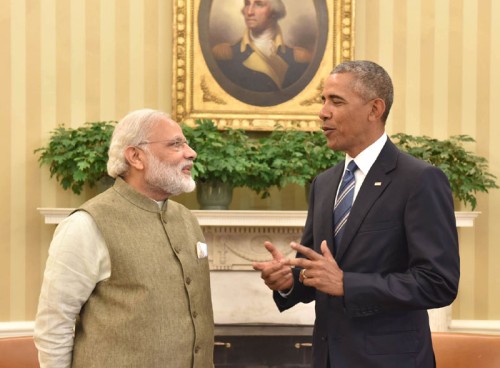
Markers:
(235, 239)
(250, 331)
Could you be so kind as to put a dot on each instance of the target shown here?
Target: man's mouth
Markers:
(327, 130)
(187, 169)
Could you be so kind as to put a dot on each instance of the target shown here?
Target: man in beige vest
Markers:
(127, 278)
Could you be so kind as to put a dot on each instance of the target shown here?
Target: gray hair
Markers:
(277, 7)
(371, 81)
(133, 129)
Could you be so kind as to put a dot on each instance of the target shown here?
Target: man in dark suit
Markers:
(397, 255)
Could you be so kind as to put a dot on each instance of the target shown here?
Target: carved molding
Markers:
(235, 248)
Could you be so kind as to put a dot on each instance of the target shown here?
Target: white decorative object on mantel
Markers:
(235, 240)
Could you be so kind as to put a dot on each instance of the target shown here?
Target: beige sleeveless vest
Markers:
(155, 310)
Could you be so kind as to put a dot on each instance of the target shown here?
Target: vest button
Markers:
(197, 349)
(195, 314)
(188, 280)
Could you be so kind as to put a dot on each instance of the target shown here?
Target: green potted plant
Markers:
(468, 173)
(225, 160)
(296, 156)
(78, 156)
(230, 158)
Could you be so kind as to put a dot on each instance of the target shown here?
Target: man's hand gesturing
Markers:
(276, 275)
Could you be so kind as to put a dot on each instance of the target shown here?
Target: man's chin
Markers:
(191, 186)
(188, 185)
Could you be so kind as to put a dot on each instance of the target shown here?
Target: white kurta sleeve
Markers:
(78, 259)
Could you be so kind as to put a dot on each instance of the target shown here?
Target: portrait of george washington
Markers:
(263, 52)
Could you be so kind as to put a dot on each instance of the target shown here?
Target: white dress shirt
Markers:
(364, 160)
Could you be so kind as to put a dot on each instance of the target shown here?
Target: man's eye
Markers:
(177, 144)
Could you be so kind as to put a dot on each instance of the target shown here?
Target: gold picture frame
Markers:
(202, 87)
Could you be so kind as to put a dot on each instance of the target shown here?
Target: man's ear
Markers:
(135, 157)
(378, 108)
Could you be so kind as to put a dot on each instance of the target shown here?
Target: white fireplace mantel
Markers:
(235, 239)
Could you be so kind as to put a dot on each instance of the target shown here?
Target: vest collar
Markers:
(136, 198)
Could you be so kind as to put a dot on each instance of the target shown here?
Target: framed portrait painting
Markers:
(253, 64)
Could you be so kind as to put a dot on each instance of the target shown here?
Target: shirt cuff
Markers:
(285, 293)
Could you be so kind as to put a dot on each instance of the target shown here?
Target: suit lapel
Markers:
(373, 186)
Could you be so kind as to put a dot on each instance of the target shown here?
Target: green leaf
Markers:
(77, 156)
(467, 172)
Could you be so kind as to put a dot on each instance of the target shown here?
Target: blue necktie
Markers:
(343, 203)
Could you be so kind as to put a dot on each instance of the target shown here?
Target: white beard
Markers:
(168, 178)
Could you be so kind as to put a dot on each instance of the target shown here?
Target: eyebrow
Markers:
(173, 138)
(332, 96)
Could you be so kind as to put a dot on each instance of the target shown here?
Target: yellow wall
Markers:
(71, 61)
(444, 57)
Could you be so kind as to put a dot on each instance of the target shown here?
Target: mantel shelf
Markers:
(247, 218)
(235, 239)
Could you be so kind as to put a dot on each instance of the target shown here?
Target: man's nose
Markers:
(189, 152)
(324, 114)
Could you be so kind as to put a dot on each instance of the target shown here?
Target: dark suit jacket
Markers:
(399, 255)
